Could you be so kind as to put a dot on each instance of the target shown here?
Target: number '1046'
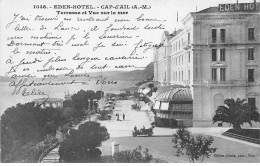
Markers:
(39, 6)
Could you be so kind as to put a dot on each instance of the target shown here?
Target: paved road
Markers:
(125, 127)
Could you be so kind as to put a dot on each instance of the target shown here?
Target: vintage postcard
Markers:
(130, 81)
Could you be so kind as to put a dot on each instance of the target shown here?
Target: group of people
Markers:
(117, 115)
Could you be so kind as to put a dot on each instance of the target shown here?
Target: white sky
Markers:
(161, 9)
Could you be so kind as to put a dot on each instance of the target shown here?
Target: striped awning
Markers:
(176, 95)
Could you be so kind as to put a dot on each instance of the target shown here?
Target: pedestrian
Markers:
(123, 116)
(118, 117)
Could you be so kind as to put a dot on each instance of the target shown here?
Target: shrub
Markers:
(133, 156)
(81, 145)
(195, 147)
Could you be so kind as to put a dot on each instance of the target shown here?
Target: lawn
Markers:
(161, 148)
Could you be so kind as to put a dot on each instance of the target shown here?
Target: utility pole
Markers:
(101, 85)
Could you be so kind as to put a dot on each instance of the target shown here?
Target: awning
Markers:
(157, 105)
(175, 95)
(164, 106)
(152, 98)
(146, 90)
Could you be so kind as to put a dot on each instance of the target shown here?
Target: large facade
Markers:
(216, 54)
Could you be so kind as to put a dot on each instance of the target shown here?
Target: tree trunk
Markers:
(236, 127)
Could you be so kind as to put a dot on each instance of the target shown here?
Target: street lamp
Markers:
(89, 110)
(94, 102)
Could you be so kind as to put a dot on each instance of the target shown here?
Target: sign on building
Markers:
(237, 7)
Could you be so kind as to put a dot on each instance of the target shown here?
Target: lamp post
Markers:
(89, 110)
(94, 102)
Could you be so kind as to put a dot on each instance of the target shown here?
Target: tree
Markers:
(24, 123)
(99, 94)
(236, 113)
(81, 145)
(81, 100)
(195, 147)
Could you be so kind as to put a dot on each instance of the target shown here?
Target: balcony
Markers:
(229, 83)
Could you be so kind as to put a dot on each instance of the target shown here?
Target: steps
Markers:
(244, 138)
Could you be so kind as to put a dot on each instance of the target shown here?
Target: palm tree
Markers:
(236, 113)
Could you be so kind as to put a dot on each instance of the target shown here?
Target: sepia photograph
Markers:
(130, 81)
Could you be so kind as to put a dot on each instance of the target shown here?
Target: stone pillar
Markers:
(115, 147)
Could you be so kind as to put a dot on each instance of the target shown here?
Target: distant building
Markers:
(216, 54)
(67, 96)
(49, 102)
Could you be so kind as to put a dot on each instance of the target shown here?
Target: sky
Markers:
(160, 9)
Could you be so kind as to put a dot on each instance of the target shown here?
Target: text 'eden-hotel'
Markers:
(237, 7)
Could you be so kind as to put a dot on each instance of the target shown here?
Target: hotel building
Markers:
(215, 55)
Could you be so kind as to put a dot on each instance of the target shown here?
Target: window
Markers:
(222, 74)
(214, 54)
(251, 101)
(214, 35)
(189, 57)
(214, 74)
(251, 34)
(182, 75)
(189, 75)
(250, 75)
(222, 54)
(250, 54)
(222, 35)
(188, 38)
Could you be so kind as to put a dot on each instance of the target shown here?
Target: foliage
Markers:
(24, 123)
(83, 100)
(25, 153)
(110, 95)
(123, 96)
(195, 147)
(99, 94)
(81, 145)
(236, 113)
(133, 156)
(49, 140)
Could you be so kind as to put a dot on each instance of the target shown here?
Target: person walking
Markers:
(117, 117)
(123, 116)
